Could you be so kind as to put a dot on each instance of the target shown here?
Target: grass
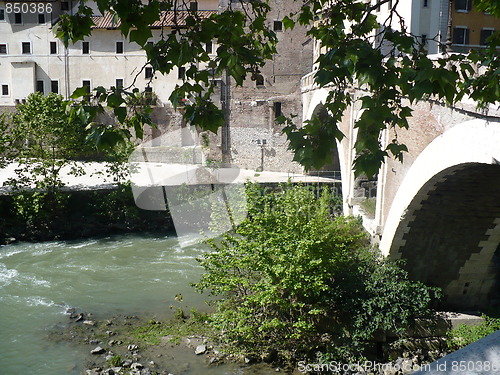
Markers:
(181, 325)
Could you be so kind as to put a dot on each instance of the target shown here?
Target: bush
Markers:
(464, 335)
(294, 278)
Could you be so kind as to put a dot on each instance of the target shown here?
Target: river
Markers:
(129, 274)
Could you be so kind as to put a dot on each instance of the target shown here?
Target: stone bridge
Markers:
(439, 210)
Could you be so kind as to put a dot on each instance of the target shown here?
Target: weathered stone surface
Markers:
(479, 358)
(136, 366)
(200, 349)
(98, 350)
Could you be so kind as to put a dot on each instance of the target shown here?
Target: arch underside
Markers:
(450, 235)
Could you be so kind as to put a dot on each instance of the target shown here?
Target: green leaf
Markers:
(79, 92)
(120, 113)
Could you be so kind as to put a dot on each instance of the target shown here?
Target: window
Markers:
(485, 34)
(3, 49)
(424, 39)
(64, 5)
(5, 90)
(41, 17)
(53, 48)
(426, 3)
(18, 18)
(85, 48)
(2, 14)
(278, 26)
(460, 35)
(54, 87)
(193, 5)
(86, 84)
(209, 47)
(148, 72)
(26, 48)
(39, 86)
(463, 5)
(259, 80)
(181, 73)
(119, 47)
(389, 5)
(277, 109)
(119, 83)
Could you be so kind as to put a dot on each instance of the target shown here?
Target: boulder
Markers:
(98, 350)
(200, 349)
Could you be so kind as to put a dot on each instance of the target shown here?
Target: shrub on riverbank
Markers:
(85, 213)
(464, 335)
(297, 280)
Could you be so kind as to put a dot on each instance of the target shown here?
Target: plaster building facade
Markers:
(33, 59)
(470, 27)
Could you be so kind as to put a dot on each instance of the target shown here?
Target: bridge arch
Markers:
(341, 158)
(445, 218)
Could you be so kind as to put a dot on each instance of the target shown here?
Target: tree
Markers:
(381, 57)
(294, 278)
(42, 140)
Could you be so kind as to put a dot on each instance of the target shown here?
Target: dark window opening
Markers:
(119, 83)
(259, 80)
(424, 40)
(463, 5)
(426, 3)
(39, 87)
(85, 48)
(119, 47)
(64, 5)
(485, 34)
(460, 35)
(181, 73)
(18, 18)
(209, 47)
(277, 110)
(41, 17)
(278, 26)
(5, 89)
(3, 49)
(54, 87)
(2, 14)
(148, 72)
(26, 48)
(53, 48)
(193, 5)
(86, 84)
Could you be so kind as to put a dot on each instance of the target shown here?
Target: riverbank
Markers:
(142, 345)
(82, 214)
(124, 344)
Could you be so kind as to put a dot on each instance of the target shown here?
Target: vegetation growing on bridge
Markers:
(295, 279)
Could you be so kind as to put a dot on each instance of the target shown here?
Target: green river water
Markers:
(118, 275)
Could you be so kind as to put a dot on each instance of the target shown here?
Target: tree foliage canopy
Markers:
(359, 51)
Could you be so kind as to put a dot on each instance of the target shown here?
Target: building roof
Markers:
(167, 19)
